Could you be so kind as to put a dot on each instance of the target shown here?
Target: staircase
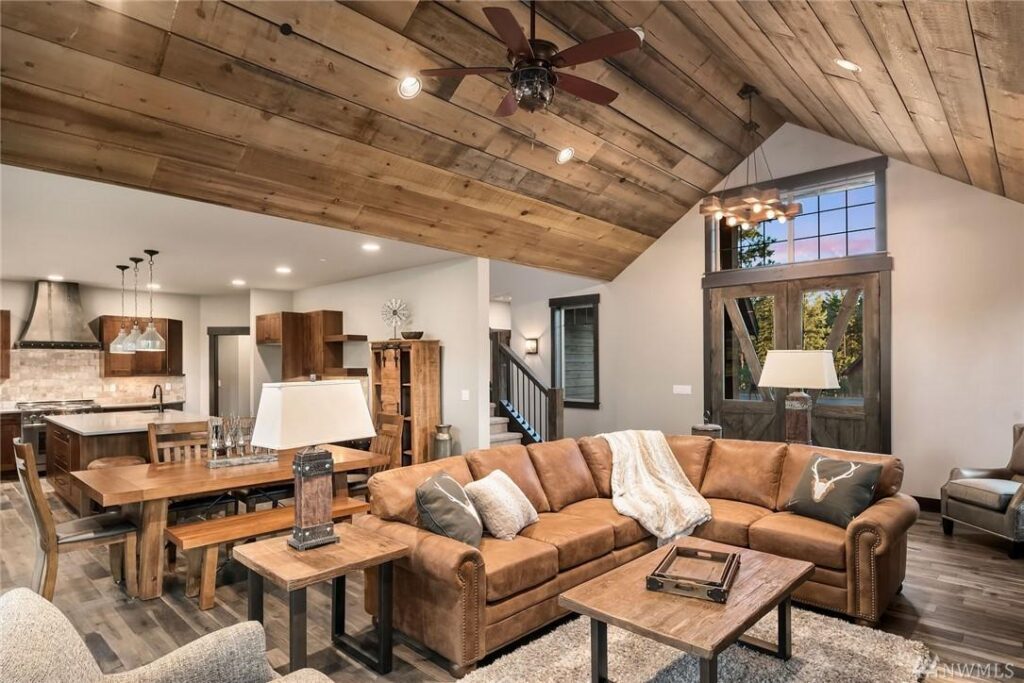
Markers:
(523, 408)
(500, 435)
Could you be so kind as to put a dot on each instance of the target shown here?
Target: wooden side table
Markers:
(294, 570)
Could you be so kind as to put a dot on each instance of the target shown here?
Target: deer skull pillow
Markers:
(834, 491)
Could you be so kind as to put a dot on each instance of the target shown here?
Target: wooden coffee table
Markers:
(295, 570)
(620, 597)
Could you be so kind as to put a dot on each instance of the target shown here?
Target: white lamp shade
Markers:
(799, 370)
(299, 414)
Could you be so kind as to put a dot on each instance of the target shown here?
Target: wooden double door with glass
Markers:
(842, 313)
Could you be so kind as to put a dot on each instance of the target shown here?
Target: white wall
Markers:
(448, 301)
(265, 359)
(230, 310)
(958, 318)
(500, 315)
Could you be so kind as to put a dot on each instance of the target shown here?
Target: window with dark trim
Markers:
(574, 349)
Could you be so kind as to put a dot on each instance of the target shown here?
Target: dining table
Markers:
(146, 491)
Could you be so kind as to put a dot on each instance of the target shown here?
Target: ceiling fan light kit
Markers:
(532, 77)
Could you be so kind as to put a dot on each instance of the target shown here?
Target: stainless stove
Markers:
(33, 423)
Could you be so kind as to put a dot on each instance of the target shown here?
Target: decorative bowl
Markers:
(412, 334)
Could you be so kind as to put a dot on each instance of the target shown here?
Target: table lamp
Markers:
(294, 415)
(799, 370)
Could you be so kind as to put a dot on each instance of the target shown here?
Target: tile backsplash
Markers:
(61, 374)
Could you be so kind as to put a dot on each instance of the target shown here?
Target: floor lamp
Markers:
(799, 370)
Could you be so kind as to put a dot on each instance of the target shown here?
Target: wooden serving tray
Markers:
(703, 574)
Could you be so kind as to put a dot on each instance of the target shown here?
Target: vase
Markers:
(442, 441)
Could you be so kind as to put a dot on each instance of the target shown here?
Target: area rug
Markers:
(825, 649)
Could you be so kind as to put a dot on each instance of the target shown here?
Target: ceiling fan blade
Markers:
(508, 105)
(509, 30)
(467, 71)
(588, 90)
(598, 48)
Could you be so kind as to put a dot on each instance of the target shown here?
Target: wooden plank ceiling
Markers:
(210, 100)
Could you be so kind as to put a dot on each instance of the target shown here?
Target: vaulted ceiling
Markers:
(211, 101)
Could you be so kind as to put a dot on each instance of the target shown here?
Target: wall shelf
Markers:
(311, 343)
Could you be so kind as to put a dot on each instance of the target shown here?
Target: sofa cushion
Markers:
(798, 456)
(515, 462)
(563, 472)
(800, 538)
(504, 509)
(730, 520)
(834, 491)
(393, 492)
(747, 471)
(627, 530)
(445, 509)
(690, 451)
(994, 494)
(517, 565)
(577, 539)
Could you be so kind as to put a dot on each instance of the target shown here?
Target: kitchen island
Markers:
(73, 441)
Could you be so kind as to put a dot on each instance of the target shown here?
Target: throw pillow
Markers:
(503, 506)
(834, 491)
(446, 510)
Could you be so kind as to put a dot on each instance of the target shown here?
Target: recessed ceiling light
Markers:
(55, 278)
(639, 30)
(283, 270)
(847, 64)
(409, 87)
(371, 246)
(565, 155)
(238, 282)
(152, 285)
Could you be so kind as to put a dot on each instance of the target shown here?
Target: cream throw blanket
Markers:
(649, 485)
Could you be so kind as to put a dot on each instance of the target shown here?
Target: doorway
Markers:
(842, 313)
(230, 371)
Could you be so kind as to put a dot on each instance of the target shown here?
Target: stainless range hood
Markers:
(57, 320)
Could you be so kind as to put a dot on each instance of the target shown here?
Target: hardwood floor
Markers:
(963, 597)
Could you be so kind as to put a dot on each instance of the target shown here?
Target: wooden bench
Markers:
(200, 541)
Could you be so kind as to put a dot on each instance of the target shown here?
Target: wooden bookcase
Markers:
(154, 364)
(311, 343)
(406, 379)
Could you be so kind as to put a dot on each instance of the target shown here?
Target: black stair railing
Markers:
(534, 409)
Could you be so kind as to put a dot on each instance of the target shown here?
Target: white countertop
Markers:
(108, 404)
(100, 424)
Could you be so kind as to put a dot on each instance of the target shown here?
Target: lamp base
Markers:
(314, 491)
(304, 538)
(798, 417)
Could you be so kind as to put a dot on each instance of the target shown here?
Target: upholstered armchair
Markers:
(991, 500)
(38, 643)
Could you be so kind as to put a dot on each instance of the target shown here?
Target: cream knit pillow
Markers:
(502, 505)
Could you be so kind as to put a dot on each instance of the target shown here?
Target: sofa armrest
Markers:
(235, 654)
(889, 519)
(980, 473)
(437, 556)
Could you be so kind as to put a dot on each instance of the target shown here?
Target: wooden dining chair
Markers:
(387, 441)
(109, 528)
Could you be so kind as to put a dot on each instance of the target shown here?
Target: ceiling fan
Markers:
(532, 76)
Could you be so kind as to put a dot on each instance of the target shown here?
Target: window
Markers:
(842, 215)
(574, 349)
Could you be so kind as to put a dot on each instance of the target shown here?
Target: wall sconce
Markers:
(531, 346)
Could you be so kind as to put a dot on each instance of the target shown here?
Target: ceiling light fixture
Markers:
(847, 64)
(752, 204)
(409, 87)
(118, 345)
(55, 278)
(565, 155)
(371, 246)
(237, 282)
(639, 30)
(131, 342)
(283, 270)
(151, 340)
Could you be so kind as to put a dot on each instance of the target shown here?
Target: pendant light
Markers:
(131, 344)
(118, 345)
(151, 339)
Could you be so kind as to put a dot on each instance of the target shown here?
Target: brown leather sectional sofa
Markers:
(464, 602)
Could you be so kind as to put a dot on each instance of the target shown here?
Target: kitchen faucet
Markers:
(157, 389)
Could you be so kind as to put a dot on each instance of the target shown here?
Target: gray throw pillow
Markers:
(446, 510)
(834, 491)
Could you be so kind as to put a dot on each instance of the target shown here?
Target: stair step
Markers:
(503, 438)
(499, 425)
(494, 409)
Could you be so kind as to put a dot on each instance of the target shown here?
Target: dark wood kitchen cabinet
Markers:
(148, 364)
(310, 343)
(10, 429)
